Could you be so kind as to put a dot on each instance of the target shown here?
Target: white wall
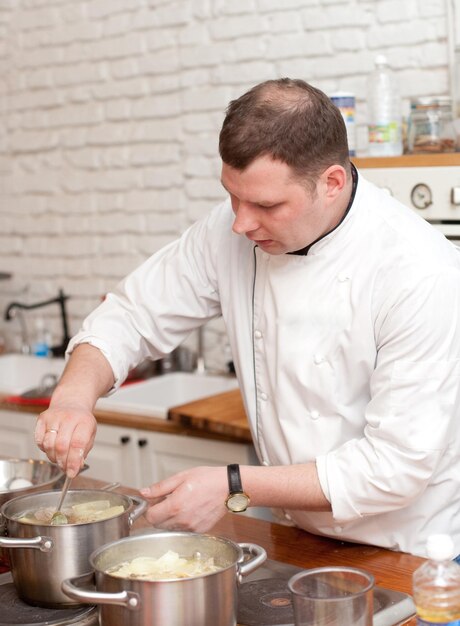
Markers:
(110, 112)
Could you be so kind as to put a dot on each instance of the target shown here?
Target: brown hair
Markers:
(289, 120)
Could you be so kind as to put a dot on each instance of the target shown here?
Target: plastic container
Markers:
(431, 126)
(41, 345)
(384, 111)
(436, 585)
(346, 103)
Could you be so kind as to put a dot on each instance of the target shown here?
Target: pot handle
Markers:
(45, 544)
(71, 587)
(257, 557)
(139, 509)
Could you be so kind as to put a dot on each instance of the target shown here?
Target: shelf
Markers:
(409, 160)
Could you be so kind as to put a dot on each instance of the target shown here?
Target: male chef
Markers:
(342, 309)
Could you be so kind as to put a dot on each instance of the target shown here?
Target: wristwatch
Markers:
(237, 500)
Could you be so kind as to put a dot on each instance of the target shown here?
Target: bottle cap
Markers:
(440, 547)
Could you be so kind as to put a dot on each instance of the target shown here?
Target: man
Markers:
(342, 309)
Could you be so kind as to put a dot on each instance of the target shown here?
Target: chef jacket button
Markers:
(314, 415)
(318, 359)
(338, 529)
(257, 334)
(263, 396)
(342, 277)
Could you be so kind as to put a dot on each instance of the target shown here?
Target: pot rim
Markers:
(56, 493)
(157, 535)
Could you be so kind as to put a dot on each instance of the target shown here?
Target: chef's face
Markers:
(275, 210)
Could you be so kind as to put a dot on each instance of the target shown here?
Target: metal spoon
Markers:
(58, 516)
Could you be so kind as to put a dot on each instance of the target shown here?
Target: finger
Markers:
(75, 449)
(49, 444)
(40, 430)
(163, 487)
(162, 514)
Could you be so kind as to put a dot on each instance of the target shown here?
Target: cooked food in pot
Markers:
(80, 513)
(166, 567)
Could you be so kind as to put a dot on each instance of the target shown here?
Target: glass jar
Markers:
(431, 126)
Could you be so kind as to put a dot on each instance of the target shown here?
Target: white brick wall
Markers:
(110, 112)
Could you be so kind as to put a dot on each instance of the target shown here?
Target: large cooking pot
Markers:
(207, 600)
(43, 556)
(24, 476)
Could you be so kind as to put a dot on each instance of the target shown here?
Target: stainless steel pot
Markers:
(42, 556)
(22, 477)
(207, 600)
(42, 476)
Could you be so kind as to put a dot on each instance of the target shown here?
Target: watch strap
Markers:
(234, 478)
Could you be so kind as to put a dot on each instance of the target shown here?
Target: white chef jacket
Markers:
(348, 356)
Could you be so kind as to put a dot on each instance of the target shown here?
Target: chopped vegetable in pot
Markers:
(93, 511)
(168, 566)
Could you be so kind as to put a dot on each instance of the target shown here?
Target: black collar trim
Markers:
(354, 176)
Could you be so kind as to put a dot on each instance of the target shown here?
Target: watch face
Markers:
(237, 502)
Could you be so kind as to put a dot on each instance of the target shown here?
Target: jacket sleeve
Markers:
(156, 307)
(414, 405)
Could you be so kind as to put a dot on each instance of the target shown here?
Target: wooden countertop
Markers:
(392, 570)
(222, 414)
(409, 160)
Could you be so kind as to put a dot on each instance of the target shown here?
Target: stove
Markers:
(431, 191)
(14, 611)
(264, 599)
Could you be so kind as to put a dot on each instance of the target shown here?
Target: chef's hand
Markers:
(66, 430)
(192, 500)
(66, 434)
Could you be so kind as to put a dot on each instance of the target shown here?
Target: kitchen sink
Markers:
(155, 396)
(21, 372)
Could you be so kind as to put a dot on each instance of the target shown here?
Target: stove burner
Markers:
(265, 601)
(15, 611)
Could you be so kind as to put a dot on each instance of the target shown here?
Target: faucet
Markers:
(25, 344)
(200, 363)
(15, 307)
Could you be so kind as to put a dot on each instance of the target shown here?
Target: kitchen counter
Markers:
(220, 417)
(392, 570)
(223, 415)
(446, 159)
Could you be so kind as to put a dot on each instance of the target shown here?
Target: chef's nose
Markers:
(245, 220)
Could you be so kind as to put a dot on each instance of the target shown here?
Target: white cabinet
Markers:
(17, 435)
(114, 456)
(138, 458)
(135, 458)
(162, 455)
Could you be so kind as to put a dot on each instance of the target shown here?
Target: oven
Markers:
(430, 185)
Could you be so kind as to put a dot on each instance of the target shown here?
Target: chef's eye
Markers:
(268, 206)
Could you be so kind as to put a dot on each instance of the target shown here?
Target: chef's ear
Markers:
(335, 180)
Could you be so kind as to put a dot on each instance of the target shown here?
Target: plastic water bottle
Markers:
(384, 111)
(41, 345)
(436, 585)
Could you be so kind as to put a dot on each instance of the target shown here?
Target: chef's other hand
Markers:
(66, 434)
(193, 500)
